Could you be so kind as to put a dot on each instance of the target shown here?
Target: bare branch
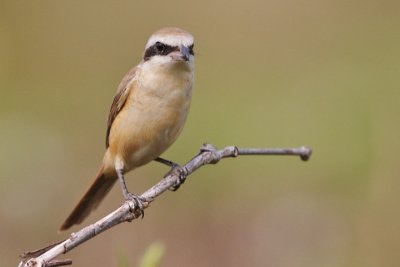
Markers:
(127, 212)
(303, 152)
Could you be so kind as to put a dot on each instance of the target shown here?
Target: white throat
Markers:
(162, 76)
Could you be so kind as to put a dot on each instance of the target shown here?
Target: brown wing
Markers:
(119, 100)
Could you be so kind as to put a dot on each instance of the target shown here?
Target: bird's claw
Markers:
(138, 203)
(179, 171)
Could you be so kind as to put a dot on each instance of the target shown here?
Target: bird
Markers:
(147, 114)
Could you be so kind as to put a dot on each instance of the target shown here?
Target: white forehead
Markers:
(171, 36)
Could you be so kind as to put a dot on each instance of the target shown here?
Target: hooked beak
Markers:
(185, 54)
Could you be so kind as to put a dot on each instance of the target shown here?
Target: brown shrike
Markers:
(146, 116)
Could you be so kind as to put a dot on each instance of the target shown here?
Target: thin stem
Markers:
(303, 152)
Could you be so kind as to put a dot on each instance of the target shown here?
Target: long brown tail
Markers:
(94, 195)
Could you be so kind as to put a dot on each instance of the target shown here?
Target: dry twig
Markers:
(127, 212)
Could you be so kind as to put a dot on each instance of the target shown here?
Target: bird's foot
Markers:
(138, 203)
(179, 171)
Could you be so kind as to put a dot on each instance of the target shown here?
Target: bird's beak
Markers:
(185, 52)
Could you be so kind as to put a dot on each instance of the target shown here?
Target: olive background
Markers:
(268, 74)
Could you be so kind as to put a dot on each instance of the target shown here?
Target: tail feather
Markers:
(92, 198)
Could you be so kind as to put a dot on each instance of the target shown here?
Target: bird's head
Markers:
(170, 45)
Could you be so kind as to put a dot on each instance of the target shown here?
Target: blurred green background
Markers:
(268, 74)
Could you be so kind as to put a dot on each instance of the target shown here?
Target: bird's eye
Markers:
(160, 46)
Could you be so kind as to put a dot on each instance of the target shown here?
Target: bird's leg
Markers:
(129, 196)
(175, 169)
(166, 162)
